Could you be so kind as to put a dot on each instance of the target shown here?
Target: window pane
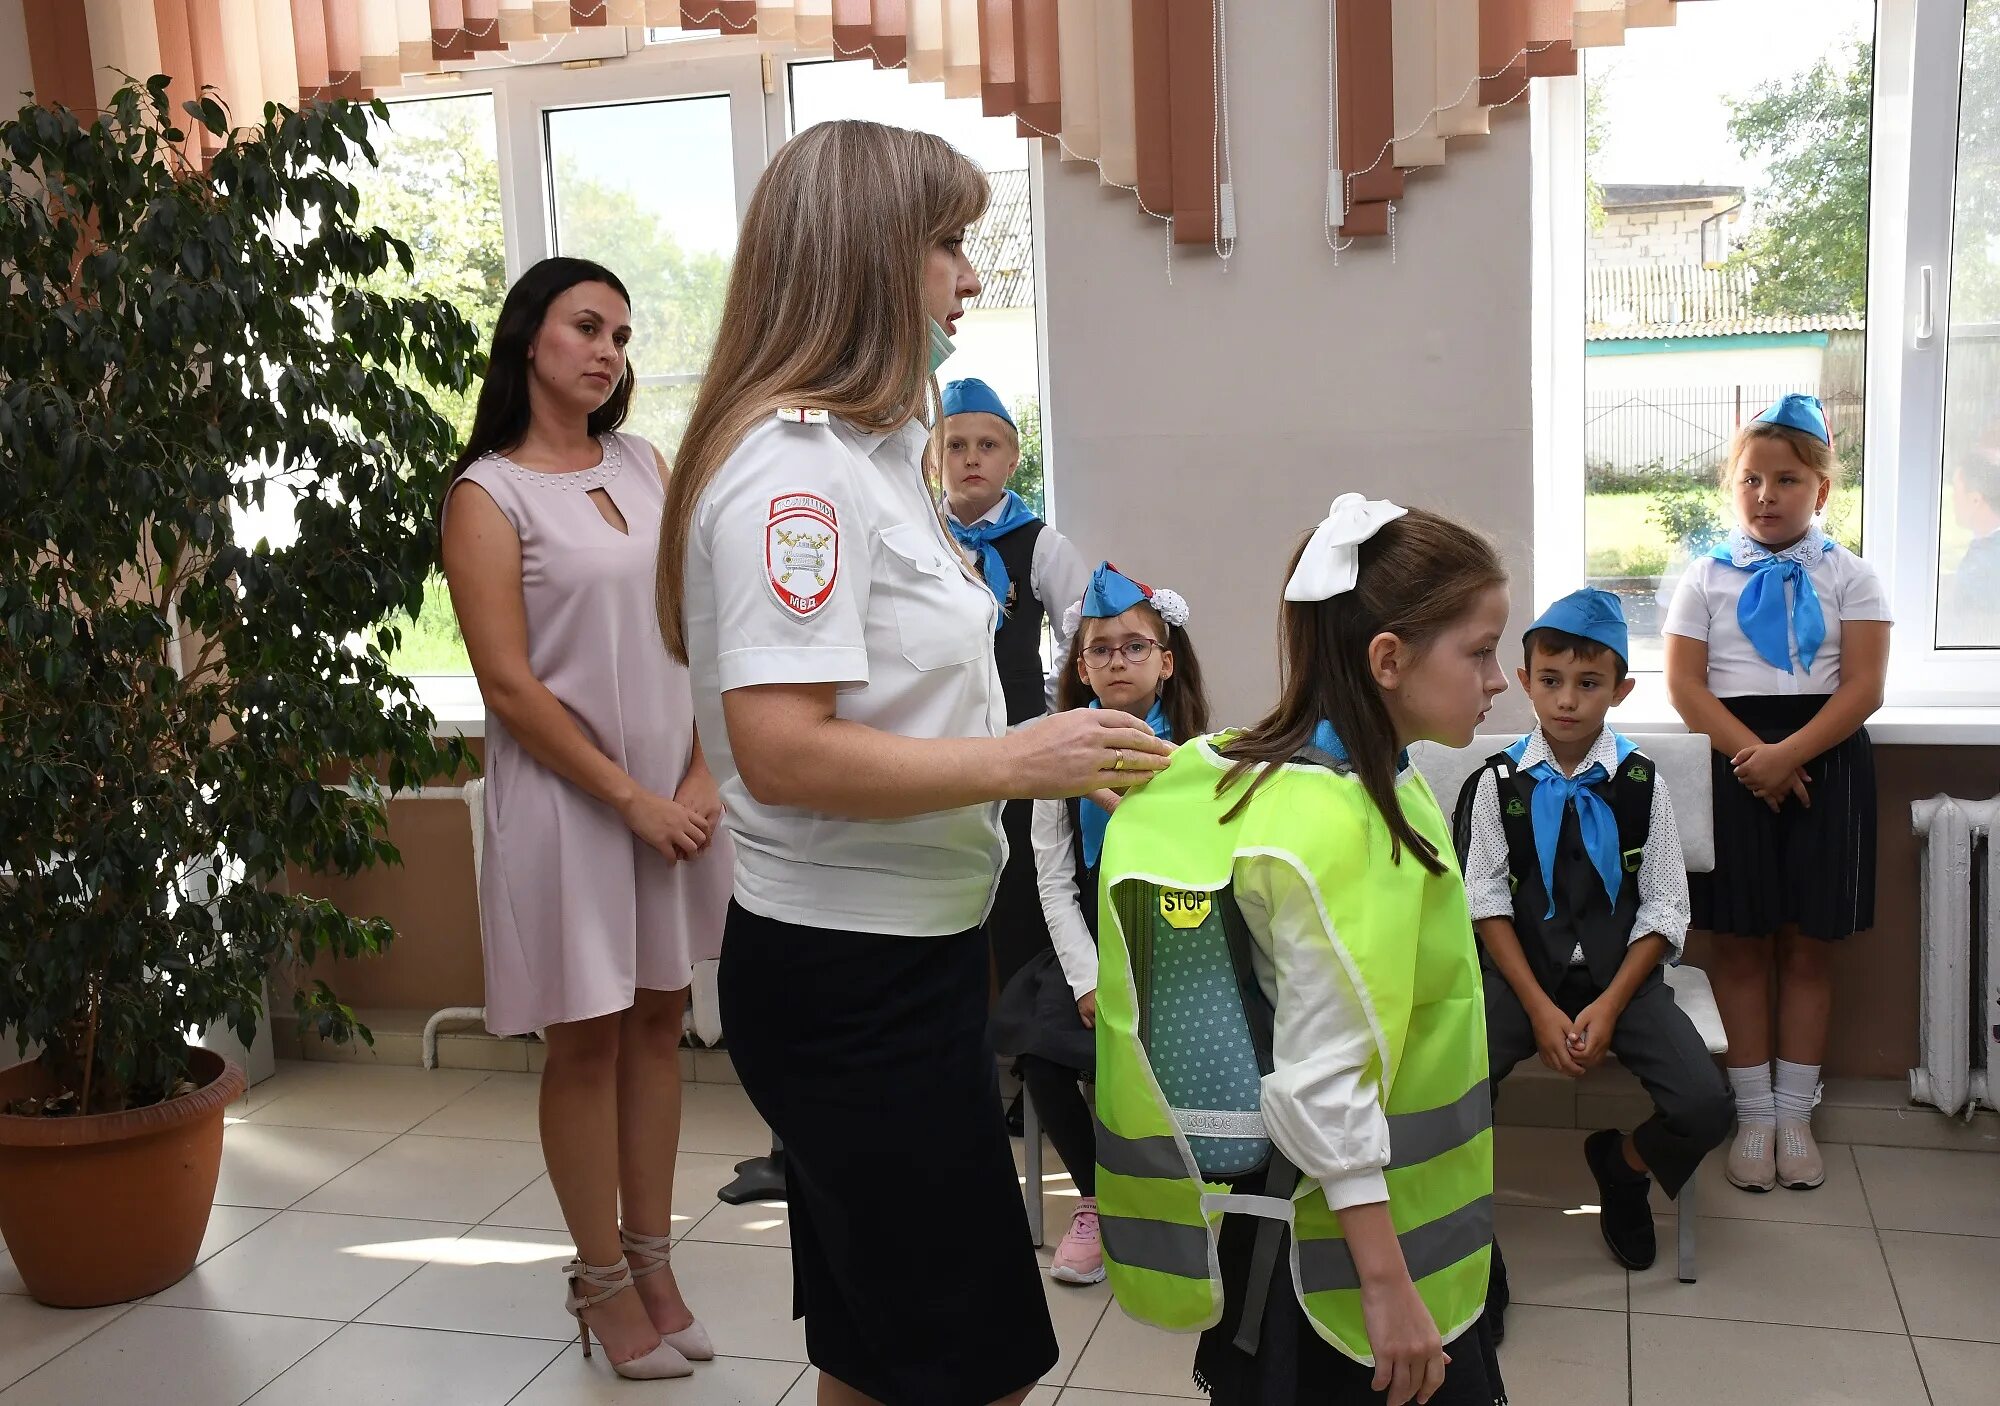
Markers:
(1728, 257)
(666, 225)
(996, 337)
(1969, 534)
(438, 188)
(660, 414)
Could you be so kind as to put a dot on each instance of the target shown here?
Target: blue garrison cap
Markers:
(1589, 614)
(1111, 593)
(973, 396)
(1800, 412)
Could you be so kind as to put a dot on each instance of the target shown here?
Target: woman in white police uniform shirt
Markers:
(842, 660)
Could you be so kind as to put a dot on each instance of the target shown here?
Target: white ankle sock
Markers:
(1754, 1104)
(1797, 1090)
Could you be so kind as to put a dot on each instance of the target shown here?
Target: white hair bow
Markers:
(1332, 559)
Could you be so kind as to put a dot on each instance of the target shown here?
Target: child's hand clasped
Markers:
(1591, 1041)
(1768, 770)
(1555, 1037)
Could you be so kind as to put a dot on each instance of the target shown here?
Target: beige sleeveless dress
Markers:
(575, 912)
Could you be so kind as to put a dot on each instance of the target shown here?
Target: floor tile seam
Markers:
(1096, 1324)
(127, 1308)
(524, 1386)
(403, 1279)
(296, 1209)
(1761, 1323)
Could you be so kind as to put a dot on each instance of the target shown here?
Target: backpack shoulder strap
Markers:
(1632, 805)
(1512, 790)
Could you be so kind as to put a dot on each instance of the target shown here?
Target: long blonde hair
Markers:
(825, 307)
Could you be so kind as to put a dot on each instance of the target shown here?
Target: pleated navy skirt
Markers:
(1812, 866)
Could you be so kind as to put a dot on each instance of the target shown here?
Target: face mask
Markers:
(941, 347)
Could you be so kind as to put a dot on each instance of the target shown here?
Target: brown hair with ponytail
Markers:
(1419, 575)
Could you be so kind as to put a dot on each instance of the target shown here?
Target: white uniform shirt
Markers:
(1704, 608)
(818, 557)
(1053, 837)
(1322, 1100)
(1057, 575)
(1663, 884)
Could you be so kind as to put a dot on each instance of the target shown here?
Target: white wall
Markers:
(1197, 431)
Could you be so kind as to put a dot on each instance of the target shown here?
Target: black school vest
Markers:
(1583, 915)
(1017, 644)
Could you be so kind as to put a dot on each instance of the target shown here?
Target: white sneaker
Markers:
(1799, 1165)
(1753, 1163)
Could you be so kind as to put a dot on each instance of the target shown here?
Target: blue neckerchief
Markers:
(981, 536)
(1760, 610)
(1091, 818)
(1328, 741)
(1555, 793)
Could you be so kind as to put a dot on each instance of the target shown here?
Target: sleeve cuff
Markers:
(749, 668)
(1362, 1188)
(1674, 930)
(1486, 903)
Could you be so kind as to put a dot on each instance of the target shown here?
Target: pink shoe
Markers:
(1080, 1257)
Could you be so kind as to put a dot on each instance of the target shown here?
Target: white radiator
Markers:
(1959, 1033)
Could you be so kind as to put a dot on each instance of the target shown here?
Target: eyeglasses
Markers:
(1138, 651)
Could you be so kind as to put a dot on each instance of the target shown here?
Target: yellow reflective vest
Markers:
(1405, 938)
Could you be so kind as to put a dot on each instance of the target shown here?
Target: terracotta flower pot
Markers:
(112, 1206)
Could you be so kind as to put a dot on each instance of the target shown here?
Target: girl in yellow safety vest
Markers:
(1350, 891)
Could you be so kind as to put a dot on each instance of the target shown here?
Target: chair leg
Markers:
(1031, 1148)
(1686, 1229)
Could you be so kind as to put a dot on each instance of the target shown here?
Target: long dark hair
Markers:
(1419, 575)
(501, 421)
(1182, 697)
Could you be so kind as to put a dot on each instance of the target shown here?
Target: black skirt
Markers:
(1810, 866)
(867, 1055)
(1294, 1365)
(1036, 1015)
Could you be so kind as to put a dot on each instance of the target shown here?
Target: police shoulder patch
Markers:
(802, 552)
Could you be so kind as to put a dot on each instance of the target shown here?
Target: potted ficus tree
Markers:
(185, 713)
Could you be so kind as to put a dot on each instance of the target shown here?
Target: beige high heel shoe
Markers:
(651, 1251)
(610, 1280)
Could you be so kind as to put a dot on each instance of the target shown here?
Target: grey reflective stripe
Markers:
(1219, 1122)
(1418, 1137)
(1327, 1264)
(1139, 1156)
(1157, 1245)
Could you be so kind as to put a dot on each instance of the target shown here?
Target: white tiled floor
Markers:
(387, 1235)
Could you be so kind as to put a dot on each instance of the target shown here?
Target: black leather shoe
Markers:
(1497, 1298)
(1625, 1199)
(1015, 1127)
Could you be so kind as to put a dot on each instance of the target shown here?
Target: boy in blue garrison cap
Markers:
(1029, 567)
(1579, 894)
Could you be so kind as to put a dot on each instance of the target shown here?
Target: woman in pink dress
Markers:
(607, 871)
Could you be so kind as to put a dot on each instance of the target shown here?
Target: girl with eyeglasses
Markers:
(1128, 651)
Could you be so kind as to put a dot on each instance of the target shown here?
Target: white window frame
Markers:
(756, 81)
(1914, 155)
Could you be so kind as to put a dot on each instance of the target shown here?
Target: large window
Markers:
(1968, 581)
(666, 226)
(1725, 264)
(437, 187)
(646, 167)
(1774, 196)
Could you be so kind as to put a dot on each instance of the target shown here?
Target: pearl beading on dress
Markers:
(585, 479)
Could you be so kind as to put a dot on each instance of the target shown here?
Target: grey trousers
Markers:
(1693, 1108)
